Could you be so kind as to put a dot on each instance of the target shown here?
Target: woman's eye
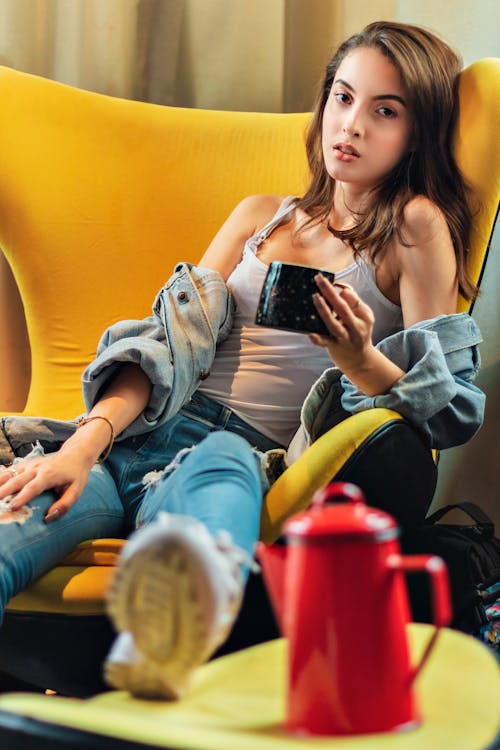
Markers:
(387, 112)
(342, 97)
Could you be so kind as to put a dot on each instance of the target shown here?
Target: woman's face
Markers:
(366, 123)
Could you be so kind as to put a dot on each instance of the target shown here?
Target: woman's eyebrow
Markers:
(379, 97)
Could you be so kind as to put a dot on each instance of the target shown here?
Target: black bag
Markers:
(472, 555)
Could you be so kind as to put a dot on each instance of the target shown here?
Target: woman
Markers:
(386, 212)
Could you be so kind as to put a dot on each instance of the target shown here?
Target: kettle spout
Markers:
(272, 559)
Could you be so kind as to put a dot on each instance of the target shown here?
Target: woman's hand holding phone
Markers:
(348, 320)
(286, 299)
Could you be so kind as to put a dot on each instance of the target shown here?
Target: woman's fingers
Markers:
(351, 298)
(349, 322)
(7, 473)
(23, 488)
(11, 479)
(342, 309)
(68, 496)
(341, 297)
(63, 475)
(329, 316)
(27, 479)
(62, 505)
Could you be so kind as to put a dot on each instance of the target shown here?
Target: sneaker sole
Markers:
(142, 680)
(156, 596)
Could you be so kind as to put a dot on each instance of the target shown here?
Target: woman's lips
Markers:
(345, 152)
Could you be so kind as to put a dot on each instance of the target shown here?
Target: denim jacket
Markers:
(192, 313)
(175, 346)
(439, 357)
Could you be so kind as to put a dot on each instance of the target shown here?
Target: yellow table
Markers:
(237, 702)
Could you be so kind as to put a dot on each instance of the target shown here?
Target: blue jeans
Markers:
(220, 483)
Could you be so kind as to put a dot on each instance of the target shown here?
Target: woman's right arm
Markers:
(127, 394)
(66, 471)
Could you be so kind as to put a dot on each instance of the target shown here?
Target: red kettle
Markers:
(339, 592)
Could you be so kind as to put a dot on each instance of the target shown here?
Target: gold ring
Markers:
(12, 471)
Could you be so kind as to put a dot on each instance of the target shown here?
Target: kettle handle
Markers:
(435, 567)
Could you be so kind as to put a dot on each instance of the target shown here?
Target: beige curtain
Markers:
(264, 55)
(124, 48)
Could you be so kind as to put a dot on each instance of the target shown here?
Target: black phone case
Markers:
(286, 298)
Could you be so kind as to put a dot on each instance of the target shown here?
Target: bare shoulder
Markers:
(246, 219)
(423, 220)
(257, 210)
(426, 263)
(250, 215)
(426, 238)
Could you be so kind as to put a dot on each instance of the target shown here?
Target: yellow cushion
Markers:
(238, 701)
(66, 589)
(75, 587)
(102, 552)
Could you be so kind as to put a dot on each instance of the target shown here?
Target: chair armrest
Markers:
(293, 490)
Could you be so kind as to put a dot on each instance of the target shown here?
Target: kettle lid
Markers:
(339, 511)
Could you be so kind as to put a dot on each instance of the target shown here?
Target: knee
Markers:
(226, 450)
(224, 443)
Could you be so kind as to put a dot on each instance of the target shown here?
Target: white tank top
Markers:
(264, 374)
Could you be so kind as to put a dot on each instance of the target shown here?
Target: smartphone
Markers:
(286, 298)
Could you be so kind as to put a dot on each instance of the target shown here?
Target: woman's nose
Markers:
(352, 124)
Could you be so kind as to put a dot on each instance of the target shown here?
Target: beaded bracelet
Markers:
(85, 420)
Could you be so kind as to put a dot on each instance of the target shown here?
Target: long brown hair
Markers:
(429, 69)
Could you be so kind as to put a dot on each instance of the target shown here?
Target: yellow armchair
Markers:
(99, 198)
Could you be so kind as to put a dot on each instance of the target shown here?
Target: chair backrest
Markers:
(472, 471)
(100, 196)
(477, 149)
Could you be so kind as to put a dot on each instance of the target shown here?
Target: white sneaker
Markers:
(174, 598)
(126, 669)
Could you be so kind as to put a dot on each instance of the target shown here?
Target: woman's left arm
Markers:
(437, 352)
(424, 268)
(425, 264)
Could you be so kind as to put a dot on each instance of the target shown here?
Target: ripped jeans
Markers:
(220, 483)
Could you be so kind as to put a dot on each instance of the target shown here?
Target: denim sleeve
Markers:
(440, 359)
(144, 343)
(174, 347)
